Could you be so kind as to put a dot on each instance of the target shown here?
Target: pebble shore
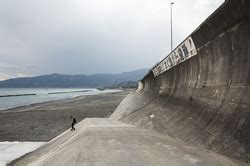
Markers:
(44, 121)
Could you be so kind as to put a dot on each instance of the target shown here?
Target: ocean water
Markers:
(15, 97)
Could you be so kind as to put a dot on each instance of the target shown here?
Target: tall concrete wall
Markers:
(204, 100)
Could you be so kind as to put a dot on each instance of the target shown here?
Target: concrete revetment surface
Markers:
(108, 142)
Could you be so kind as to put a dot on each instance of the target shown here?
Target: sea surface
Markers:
(15, 97)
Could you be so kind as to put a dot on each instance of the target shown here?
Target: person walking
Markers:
(73, 123)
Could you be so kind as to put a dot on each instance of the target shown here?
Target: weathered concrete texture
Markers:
(107, 142)
(204, 101)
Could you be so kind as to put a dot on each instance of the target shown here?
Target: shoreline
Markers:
(56, 100)
(44, 121)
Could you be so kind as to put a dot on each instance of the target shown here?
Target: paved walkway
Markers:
(106, 142)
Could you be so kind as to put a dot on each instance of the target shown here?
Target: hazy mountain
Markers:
(59, 80)
(127, 84)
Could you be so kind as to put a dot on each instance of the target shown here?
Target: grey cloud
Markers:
(82, 36)
(11, 71)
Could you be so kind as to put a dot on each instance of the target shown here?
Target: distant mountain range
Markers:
(86, 81)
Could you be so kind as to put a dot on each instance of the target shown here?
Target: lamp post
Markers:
(171, 4)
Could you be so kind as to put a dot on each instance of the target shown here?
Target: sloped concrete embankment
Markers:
(108, 142)
(205, 100)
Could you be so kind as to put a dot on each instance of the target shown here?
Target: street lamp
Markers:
(171, 4)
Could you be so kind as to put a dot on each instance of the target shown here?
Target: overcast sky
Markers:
(92, 36)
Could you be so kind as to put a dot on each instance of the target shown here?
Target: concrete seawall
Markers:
(108, 142)
(205, 99)
(197, 99)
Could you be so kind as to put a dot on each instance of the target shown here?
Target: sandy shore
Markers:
(44, 121)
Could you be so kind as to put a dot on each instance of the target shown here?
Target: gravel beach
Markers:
(44, 121)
